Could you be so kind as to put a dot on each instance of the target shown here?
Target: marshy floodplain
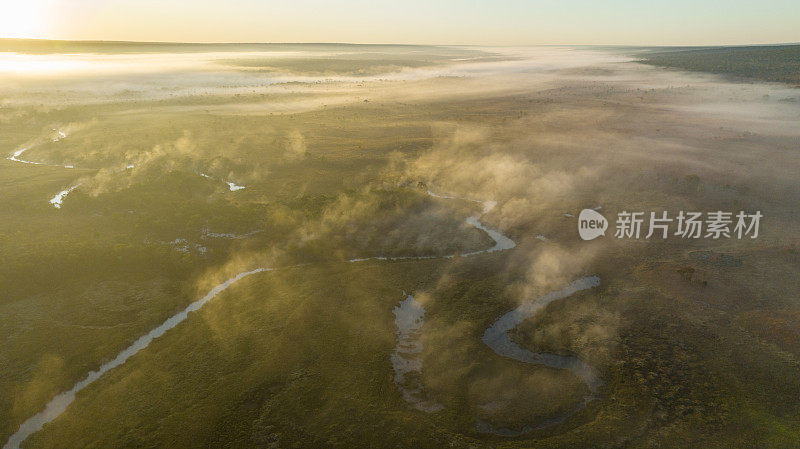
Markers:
(342, 246)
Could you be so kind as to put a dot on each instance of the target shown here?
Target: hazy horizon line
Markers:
(166, 42)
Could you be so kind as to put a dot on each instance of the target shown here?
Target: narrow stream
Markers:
(58, 404)
(498, 339)
(501, 242)
(409, 317)
(59, 198)
(231, 186)
(16, 155)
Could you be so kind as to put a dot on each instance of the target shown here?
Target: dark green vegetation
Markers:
(696, 341)
(776, 63)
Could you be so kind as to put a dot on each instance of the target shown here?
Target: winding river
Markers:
(409, 318)
(59, 197)
(498, 339)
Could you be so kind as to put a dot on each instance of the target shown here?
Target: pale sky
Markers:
(497, 22)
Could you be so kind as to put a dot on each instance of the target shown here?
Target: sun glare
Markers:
(23, 19)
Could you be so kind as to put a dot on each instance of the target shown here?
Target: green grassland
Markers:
(776, 63)
(83, 281)
(300, 357)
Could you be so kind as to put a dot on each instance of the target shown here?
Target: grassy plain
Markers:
(681, 331)
(776, 63)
